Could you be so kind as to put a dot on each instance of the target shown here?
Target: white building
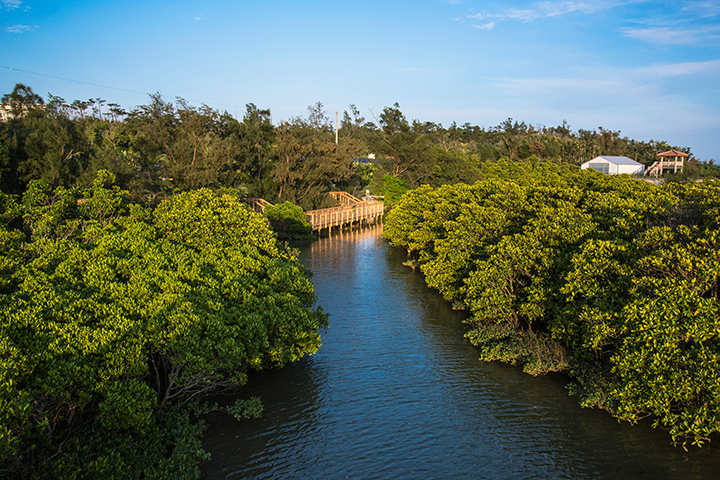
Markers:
(610, 165)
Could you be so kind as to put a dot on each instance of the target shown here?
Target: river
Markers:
(396, 392)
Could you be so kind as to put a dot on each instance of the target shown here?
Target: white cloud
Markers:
(581, 92)
(21, 28)
(556, 8)
(605, 86)
(11, 4)
(704, 9)
(695, 23)
(680, 69)
(485, 26)
(674, 35)
(642, 103)
(659, 35)
(197, 18)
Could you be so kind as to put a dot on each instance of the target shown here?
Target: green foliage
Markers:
(115, 319)
(392, 189)
(162, 147)
(104, 301)
(536, 352)
(613, 280)
(288, 221)
(244, 409)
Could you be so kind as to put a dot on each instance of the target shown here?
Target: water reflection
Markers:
(396, 392)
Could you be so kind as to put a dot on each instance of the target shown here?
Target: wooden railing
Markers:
(344, 198)
(258, 204)
(661, 166)
(351, 212)
(652, 169)
(345, 215)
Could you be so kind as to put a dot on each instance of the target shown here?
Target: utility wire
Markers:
(107, 86)
(71, 80)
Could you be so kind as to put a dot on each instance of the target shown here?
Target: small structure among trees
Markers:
(612, 165)
(671, 160)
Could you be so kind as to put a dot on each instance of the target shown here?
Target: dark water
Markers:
(395, 392)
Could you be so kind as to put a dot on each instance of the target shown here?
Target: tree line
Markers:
(613, 280)
(160, 148)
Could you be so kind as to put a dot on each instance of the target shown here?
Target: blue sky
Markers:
(649, 69)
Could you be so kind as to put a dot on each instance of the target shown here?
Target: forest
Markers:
(161, 148)
(612, 280)
(135, 282)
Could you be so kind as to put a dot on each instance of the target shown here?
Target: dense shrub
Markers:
(116, 321)
(288, 221)
(611, 279)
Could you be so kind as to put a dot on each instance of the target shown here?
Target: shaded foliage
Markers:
(161, 148)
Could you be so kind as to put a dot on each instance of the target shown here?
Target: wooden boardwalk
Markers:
(352, 212)
(348, 215)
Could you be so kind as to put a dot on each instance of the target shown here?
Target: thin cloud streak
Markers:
(485, 26)
(596, 87)
(550, 9)
(684, 68)
(21, 28)
(704, 9)
(674, 36)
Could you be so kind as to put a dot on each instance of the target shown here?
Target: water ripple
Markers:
(396, 392)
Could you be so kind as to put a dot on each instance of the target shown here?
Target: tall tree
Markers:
(308, 162)
(408, 151)
(256, 138)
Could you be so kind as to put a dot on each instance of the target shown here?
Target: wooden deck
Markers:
(348, 215)
(352, 212)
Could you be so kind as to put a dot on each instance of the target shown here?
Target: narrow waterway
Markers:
(396, 392)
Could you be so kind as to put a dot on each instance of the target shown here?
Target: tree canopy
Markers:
(134, 281)
(161, 148)
(610, 279)
(116, 322)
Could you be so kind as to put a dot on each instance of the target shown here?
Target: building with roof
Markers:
(671, 160)
(611, 165)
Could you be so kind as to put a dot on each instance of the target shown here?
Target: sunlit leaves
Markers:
(120, 313)
(612, 279)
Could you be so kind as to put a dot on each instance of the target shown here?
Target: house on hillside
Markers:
(611, 165)
(671, 160)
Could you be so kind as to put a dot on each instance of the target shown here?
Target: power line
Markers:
(107, 86)
(71, 80)
(131, 91)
